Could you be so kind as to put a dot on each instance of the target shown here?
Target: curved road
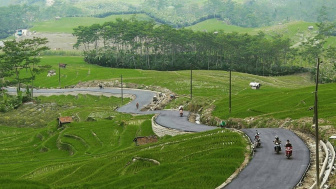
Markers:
(265, 170)
(270, 170)
(166, 118)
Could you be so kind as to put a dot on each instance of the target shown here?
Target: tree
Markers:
(5, 70)
(22, 54)
(139, 44)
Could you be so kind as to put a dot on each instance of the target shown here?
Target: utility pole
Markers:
(122, 92)
(230, 92)
(190, 81)
(316, 125)
(59, 75)
(32, 87)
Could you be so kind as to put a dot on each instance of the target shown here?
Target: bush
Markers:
(12, 102)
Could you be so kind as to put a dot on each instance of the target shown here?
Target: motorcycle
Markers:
(277, 147)
(181, 113)
(254, 145)
(257, 140)
(289, 152)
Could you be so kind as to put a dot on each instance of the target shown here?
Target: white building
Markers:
(21, 32)
(255, 85)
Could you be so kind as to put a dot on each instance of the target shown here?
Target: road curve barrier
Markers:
(331, 159)
(327, 164)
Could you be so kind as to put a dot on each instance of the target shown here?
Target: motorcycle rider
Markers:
(256, 136)
(288, 144)
(288, 149)
(277, 140)
(181, 110)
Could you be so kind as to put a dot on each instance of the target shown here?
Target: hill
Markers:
(244, 13)
(101, 153)
(209, 88)
(98, 151)
(67, 24)
(57, 30)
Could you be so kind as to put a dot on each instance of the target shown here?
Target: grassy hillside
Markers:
(216, 25)
(102, 154)
(279, 97)
(296, 31)
(66, 25)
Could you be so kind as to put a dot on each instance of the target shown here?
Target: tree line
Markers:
(144, 45)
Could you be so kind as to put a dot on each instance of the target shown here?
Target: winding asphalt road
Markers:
(270, 170)
(265, 170)
(166, 118)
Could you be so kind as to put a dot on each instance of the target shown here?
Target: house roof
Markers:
(65, 119)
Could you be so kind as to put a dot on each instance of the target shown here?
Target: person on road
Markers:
(277, 141)
(100, 86)
(181, 110)
(288, 144)
(256, 136)
(137, 105)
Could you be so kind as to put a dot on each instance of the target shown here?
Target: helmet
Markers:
(276, 137)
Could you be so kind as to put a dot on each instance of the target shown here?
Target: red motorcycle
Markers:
(181, 113)
(289, 152)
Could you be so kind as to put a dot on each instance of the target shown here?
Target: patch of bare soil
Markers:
(56, 41)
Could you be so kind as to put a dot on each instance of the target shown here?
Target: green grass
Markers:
(22, 184)
(49, 109)
(281, 104)
(99, 155)
(212, 25)
(296, 31)
(279, 97)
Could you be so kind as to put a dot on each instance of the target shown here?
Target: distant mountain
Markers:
(21, 2)
(244, 13)
(177, 13)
